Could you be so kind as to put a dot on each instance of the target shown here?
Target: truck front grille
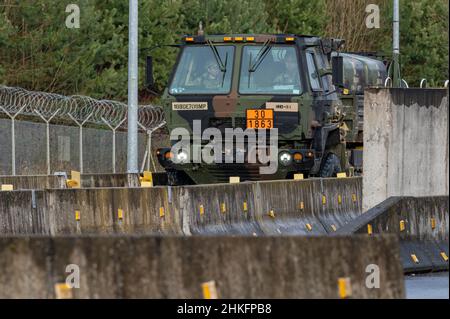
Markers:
(247, 172)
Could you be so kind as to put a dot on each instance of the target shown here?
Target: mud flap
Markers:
(322, 143)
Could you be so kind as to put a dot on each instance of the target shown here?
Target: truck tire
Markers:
(178, 178)
(172, 178)
(330, 166)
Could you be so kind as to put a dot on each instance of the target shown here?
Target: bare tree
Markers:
(347, 20)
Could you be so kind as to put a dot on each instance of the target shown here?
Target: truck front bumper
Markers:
(203, 173)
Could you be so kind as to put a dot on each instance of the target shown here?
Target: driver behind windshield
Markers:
(212, 77)
(290, 74)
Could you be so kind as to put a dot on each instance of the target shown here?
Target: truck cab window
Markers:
(270, 70)
(312, 72)
(200, 71)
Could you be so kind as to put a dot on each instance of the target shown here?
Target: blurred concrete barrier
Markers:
(318, 206)
(38, 182)
(315, 206)
(421, 223)
(34, 181)
(176, 267)
(405, 144)
(116, 180)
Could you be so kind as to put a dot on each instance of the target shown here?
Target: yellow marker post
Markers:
(433, 223)
(341, 175)
(223, 208)
(402, 225)
(148, 176)
(7, 187)
(302, 205)
(146, 184)
(324, 200)
(161, 212)
(444, 256)
(344, 287)
(271, 213)
(63, 291)
(369, 229)
(414, 258)
(298, 177)
(75, 180)
(245, 206)
(308, 227)
(120, 213)
(147, 179)
(354, 198)
(339, 199)
(209, 290)
(201, 210)
(77, 215)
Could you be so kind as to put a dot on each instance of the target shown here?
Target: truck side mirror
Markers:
(337, 63)
(149, 80)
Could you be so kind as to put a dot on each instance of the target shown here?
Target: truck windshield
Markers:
(276, 73)
(200, 71)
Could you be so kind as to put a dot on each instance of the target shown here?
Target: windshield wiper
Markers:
(221, 65)
(260, 56)
(225, 68)
(262, 53)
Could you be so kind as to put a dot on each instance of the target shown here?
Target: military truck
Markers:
(300, 85)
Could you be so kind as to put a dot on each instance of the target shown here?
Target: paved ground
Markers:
(428, 286)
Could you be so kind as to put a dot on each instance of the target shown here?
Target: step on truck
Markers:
(300, 85)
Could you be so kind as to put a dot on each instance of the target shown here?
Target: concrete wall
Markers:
(87, 181)
(279, 207)
(425, 233)
(405, 144)
(34, 182)
(116, 180)
(175, 267)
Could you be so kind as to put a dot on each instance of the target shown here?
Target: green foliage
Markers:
(424, 41)
(297, 16)
(38, 52)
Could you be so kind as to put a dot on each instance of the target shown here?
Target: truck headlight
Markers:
(181, 157)
(285, 158)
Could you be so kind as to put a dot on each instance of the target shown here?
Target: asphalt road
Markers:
(427, 286)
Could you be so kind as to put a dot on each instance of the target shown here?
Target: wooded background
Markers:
(38, 52)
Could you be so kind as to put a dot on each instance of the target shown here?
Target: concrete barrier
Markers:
(323, 204)
(405, 144)
(116, 180)
(315, 206)
(176, 267)
(34, 181)
(87, 181)
(422, 224)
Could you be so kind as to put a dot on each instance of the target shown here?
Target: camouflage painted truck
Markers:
(297, 84)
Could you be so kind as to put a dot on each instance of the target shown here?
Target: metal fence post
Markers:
(80, 125)
(148, 157)
(114, 129)
(132, 156)
(13, 137)
(47, 123)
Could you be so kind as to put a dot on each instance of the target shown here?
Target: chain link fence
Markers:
(41, 133)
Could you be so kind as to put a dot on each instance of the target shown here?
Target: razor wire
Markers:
(15, 101)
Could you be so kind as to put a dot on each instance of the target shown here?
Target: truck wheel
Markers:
(330, 166)
(177, 178)
(172, 179)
